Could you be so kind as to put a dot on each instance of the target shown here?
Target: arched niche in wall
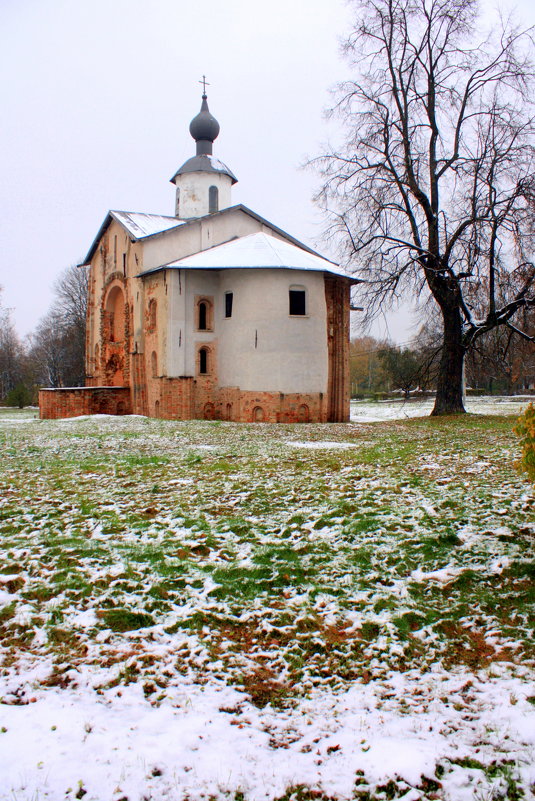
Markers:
(209, 411)
(154, 364)
(303, 413)
(152, 315)
(114, 308)
(258, 414)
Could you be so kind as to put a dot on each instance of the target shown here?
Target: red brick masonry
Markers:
(75, 401)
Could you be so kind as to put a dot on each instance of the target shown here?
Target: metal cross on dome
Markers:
(204, 84)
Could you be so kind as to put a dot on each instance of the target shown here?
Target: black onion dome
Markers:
(204, 127)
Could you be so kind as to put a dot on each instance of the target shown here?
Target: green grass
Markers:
(216, 522)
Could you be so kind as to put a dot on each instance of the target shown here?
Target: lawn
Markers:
(209, 610)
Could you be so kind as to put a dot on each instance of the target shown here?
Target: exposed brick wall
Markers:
(176, 398)
(231, 403)
(184, 399)
(75, 401)
(337, 296)
(139, 385)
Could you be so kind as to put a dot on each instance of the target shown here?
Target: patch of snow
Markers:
(140, 225)
(83, 620)
(209, 741)
(443, 576)
(319, 445)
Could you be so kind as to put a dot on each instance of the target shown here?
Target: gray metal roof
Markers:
(137, 224)
(162, 225)
(255, 251)
(204, 163)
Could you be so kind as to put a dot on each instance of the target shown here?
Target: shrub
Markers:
(20, 396)
(525, 429)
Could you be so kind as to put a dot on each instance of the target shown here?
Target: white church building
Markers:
(212, 313)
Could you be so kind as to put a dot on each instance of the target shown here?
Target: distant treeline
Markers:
(501, 363)
(54, 354)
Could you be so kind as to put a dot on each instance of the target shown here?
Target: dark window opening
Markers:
(228, 303)
(213, 199)
(202, 316)
(203, 361)
(297, 301)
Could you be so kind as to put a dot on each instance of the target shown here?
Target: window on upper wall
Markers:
(213, 199)
(204, 314)
(229, 296)
(297, 301)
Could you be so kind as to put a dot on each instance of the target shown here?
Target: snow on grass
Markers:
(202, 609)
(368, 411)
(320, 444)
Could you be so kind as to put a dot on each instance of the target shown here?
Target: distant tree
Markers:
(58, 344)
(20, 396)
(433, 190)
(11, 352)
(404, 367)
(366, 370)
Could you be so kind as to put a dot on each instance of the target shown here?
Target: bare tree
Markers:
(58, 344)
(501, 360)
(434, 190)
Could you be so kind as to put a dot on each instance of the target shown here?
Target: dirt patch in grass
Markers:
(263, 688)
(471, 648)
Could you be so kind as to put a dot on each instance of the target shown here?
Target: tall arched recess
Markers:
(114, 336)
(115, 313)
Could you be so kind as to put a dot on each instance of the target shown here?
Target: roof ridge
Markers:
(277, 255)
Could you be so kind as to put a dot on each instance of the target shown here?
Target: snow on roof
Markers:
(255, 251)
(139, 225)
(204, 162)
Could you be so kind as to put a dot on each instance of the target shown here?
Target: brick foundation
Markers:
(185, 399)
(188, 399)
(75, 401)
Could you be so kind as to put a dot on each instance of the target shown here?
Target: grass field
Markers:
(213, 610)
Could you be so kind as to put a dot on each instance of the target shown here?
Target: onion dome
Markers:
(204, 128)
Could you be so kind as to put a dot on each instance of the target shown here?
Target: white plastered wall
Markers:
(261, 347)
(193, 188)
(183, 338)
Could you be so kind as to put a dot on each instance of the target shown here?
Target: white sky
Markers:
(96, 99)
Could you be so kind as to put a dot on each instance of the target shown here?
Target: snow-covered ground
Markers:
(207, 741)
(376, 411)
(206, 610)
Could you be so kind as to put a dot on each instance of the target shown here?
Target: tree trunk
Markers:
(449, 397)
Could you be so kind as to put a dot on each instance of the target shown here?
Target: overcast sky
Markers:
(96, 100)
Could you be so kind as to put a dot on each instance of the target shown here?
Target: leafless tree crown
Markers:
(434, 185)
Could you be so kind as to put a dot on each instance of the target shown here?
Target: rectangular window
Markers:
(228, 303)
(297, 302)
